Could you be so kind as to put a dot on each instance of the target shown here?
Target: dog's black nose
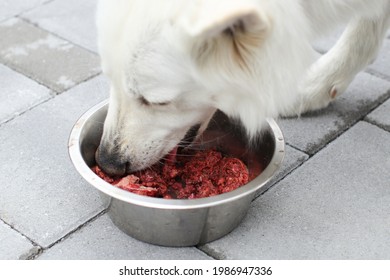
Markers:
(111, 162)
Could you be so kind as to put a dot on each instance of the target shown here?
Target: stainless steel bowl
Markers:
(179, 222)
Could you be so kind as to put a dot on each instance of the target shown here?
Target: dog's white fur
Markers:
(172, 63)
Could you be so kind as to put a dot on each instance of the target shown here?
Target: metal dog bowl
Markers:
(179, 222)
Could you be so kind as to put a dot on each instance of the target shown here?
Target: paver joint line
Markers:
(51, 75)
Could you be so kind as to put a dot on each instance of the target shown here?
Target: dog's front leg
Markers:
(331, 74)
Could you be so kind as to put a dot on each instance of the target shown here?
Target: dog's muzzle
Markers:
(111, 162)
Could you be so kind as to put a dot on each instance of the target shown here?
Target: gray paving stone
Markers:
(293, 158)
(42, 195)
(13, 245)
(102, 240)
(10, 8)
(382, 64)
(335, 206)
(313, 131)
(18, 94)
(70, 19)
(381, 116)
(43, 57)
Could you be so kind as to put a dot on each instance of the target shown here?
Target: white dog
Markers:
(172, 63)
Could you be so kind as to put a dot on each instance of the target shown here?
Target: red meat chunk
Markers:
(203, 174)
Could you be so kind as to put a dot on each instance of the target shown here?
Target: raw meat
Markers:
(203, 174)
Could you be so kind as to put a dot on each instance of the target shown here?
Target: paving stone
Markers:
(381, 116)
(311, 132)
(13, 245)
(18, 94)
(72, 19)
(293, 158)
(335, 206)
(382, 64)
(44, 57)
(10, 8)
(101, 239)
(42, 195)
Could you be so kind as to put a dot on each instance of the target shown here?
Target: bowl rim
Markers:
(84, 170)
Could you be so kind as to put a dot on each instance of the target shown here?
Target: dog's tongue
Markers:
(171, 156)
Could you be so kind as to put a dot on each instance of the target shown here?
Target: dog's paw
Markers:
(323, 83)
(318, 95)
(309, 99)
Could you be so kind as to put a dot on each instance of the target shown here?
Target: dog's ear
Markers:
(209, 19)
(222, 29)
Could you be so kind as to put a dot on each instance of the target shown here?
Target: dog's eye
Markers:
(162, 103)
(144, 101)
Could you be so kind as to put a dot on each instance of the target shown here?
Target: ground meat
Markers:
(203, 174)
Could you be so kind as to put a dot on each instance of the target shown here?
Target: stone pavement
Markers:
(331, 200)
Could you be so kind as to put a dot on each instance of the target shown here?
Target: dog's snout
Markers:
(111, 162)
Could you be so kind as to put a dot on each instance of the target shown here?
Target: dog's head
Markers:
(170, 66)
